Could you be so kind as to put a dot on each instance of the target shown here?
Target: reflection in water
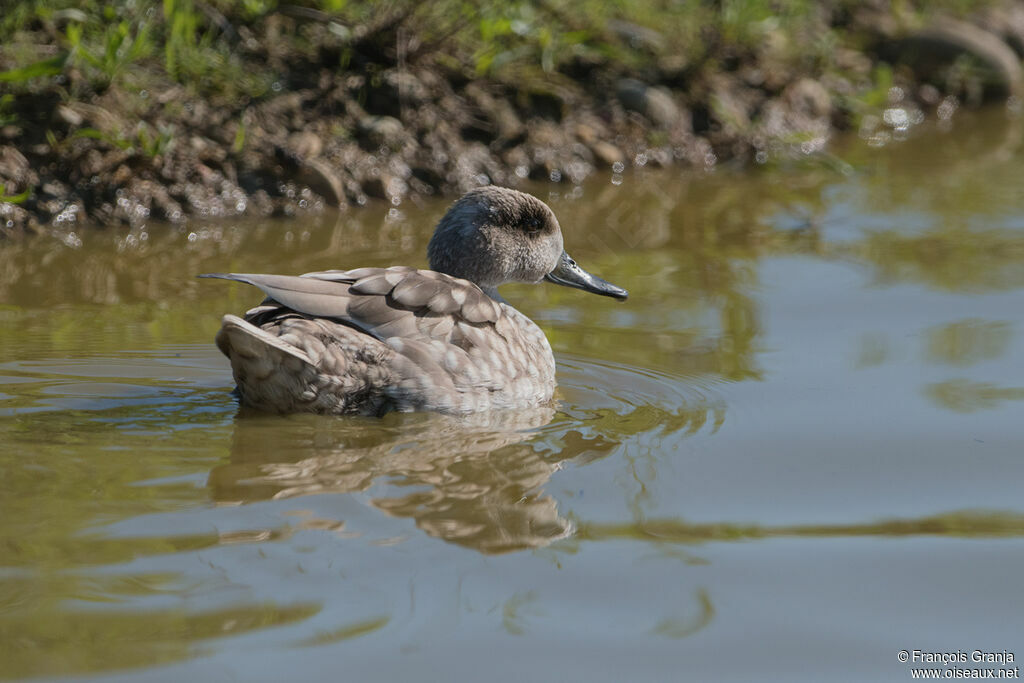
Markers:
(874, 349)
(965, 396)
(121, 639)
(684, 628)
(959, 190)
(475, 481)
(949, 258)
(469, 481)
(968, 341)
(966, 524)
(347, 632)
(951, 176)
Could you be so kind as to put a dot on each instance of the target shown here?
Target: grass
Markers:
(120, 45)
(126, 43)
(13, 198)
(143, 141)
(231, 48)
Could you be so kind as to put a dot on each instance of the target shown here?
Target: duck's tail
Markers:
(297, 365)
(245, 340)
(271, 374)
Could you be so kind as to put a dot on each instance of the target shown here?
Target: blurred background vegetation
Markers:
(210, 46)
(113, 112)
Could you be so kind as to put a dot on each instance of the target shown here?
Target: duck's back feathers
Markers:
(416, 289)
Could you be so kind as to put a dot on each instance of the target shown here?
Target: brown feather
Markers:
(415, 291)
(375, 283)
(443, 302)
(479, 308)
(369, 312)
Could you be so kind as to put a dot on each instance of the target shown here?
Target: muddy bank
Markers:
(373, 113)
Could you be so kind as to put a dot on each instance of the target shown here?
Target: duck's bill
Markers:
(571, 275)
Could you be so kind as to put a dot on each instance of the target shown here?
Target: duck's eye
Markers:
(533, 224)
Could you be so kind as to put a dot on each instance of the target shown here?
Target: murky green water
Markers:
(795, 451)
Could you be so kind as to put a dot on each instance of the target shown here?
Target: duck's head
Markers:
(495, 235)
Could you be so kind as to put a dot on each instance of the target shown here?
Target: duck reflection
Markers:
(476, 481)
(473, 481)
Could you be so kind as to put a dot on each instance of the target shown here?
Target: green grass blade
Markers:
(47, 67)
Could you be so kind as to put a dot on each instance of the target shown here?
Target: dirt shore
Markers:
(401, 121)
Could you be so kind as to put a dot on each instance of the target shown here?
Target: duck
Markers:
(370, 341)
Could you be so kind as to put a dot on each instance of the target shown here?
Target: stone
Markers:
(15, 170)
(653, 102)
(69, 116)
(305, 145)
(1007, 22)
(607, 154)
(854, 61)
(14, 220)
(385, 186)
(809, 97)
(587, 134)
(934, 48)
(638, 37)
(395, 91)
(504, 123)
(382, 131)
(984, 46)
(322, 179)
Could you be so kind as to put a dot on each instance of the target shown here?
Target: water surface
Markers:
(795, 451)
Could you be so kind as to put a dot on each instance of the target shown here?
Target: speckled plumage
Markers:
(372, 340)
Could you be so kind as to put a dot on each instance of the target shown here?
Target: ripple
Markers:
(172, 386)
(648, 399)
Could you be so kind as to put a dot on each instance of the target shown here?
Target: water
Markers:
(794, 452)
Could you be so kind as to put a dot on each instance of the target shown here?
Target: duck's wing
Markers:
(319, 298)
(383, 302)
(427, 291)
